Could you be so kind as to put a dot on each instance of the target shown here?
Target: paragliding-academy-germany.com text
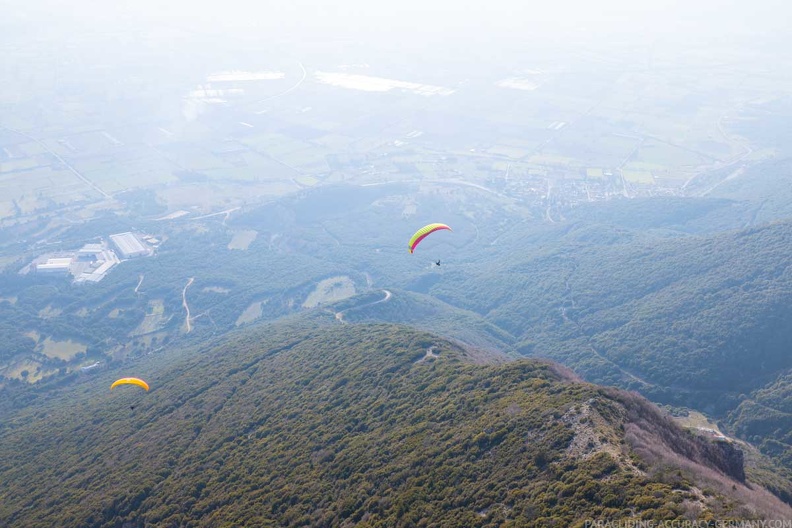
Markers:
(636, 523)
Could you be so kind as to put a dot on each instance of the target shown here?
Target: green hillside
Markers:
(373, 425)
(698, 321)
(647, 294)
(424, 312)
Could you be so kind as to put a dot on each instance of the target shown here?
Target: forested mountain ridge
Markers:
(696, 321)
(379, 425)
(649, 295)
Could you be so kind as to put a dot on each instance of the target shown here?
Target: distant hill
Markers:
(424, 312)
(711, 305)
(299, 423)
(766, 188)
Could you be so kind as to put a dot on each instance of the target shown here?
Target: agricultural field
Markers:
(29, 370)
(41, 188)
(637, 176)
(330, 290)
(65, 350)
(549, 123)
(154, 320)
(215, 289)
(207, 197)
(251, 313)
(508, 151)
(242, 239)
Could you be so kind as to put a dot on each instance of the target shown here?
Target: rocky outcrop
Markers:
(727, 457)
(656, 437)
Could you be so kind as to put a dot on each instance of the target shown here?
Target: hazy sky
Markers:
(174, 36)
(460, 21)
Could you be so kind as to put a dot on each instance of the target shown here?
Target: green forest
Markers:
(307, 423)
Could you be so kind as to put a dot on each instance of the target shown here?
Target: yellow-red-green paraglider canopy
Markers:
(424, 232)
(130, 381)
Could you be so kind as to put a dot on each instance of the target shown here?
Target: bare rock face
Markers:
(657, 438)
(729, 459)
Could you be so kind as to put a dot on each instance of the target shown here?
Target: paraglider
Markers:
(423, 233)
(130, 381)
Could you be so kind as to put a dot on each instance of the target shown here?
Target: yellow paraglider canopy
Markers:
(130, 381)
(423, 233)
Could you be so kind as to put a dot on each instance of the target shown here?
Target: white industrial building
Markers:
(101, 259)
(93, 261)
(55, 265)
(129, 245)
(90, 252)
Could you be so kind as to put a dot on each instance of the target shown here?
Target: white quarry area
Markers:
(238, 75)
(378, 84)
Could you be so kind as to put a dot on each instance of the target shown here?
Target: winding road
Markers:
(227, 213)
(742, 143)
(568, 293)
(288, 90)
(186, 307)
(340, 315)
